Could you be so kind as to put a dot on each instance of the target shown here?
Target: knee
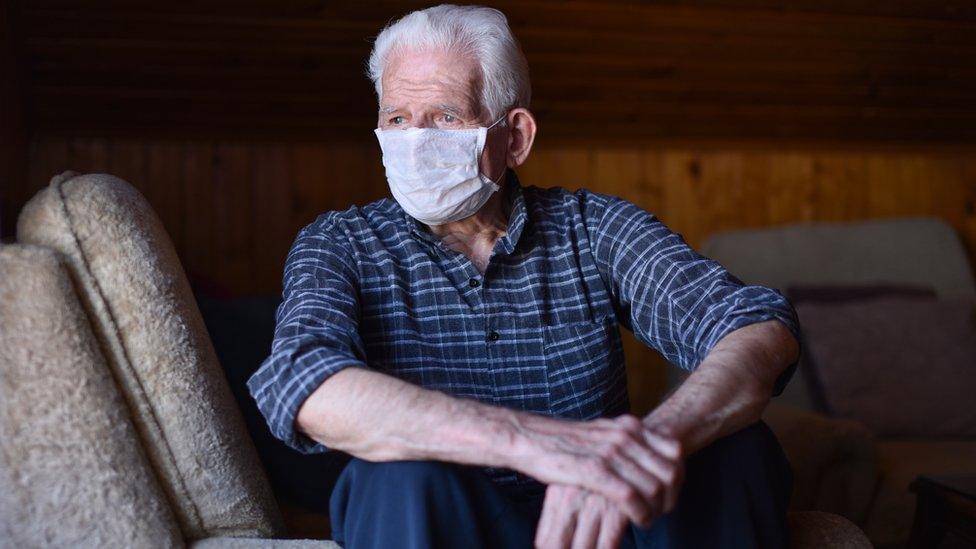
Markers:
(755, 437)
(755, 446)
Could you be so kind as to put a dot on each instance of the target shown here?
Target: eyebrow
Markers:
(457, 111)
(451, 109)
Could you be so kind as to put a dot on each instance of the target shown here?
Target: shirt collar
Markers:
(516, 218)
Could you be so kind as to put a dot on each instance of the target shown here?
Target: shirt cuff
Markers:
(280, 404)
(786, 315)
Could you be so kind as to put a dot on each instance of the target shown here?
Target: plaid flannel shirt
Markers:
(371, 287)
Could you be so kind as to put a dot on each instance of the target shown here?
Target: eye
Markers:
(449, 118)
(397, 120)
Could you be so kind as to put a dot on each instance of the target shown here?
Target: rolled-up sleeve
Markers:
(315, 334)
(672, 298)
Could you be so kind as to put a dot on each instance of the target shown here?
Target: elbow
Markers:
(311, 423)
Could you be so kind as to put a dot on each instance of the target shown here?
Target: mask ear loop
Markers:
(494, 182)
(496, 122)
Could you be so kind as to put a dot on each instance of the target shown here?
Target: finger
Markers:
(663, 470)
(675, 492)
(666, 445)
(613, 525)
(557, 522)
(545, 526)
(650, 487)
(605, 479)
(587, 527)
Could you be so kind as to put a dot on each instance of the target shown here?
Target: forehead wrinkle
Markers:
(440, 87)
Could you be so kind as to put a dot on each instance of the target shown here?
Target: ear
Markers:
(521, 136)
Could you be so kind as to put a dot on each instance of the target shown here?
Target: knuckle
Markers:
(670, 475)
(618, 436)
(629, 422)
(679, 448)
(630, 495)
(597, 466)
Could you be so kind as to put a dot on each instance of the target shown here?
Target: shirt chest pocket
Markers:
(584, 368)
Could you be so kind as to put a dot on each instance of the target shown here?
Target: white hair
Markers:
(478, 31)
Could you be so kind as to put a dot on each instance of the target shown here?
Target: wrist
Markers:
(518, 443)
(660, 421)
(494, 435)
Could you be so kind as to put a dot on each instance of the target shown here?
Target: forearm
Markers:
(378, 417)
(730, 388)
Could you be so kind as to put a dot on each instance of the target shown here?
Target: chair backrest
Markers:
(917, 251)
(135, 292)
(72, 470)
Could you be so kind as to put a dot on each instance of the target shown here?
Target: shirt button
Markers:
(474, 283)
(493, 336)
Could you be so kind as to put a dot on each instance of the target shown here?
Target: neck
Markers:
(491, 218)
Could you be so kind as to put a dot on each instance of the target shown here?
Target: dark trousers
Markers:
(735, 494)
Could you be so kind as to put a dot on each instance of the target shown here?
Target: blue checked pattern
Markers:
(372, 287)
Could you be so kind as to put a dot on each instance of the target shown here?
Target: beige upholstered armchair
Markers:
(117, 426)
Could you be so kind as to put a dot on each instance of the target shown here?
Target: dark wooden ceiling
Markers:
(835, 70)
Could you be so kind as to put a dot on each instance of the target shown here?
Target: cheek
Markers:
(493, 157)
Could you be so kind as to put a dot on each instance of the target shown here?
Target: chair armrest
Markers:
(816, 529)
(262, 543)
(835, 461)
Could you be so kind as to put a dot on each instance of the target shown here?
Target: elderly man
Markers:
(461, 342)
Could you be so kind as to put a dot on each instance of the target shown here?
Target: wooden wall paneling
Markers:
(233, 217)
(275, 227)
(49, 157)
(373, 175)
(346, 183)
(839, 193)
(89, 155)
(198, 227)
(793, 172)
(128, 160)
(653, 196)
(894, 187)
(311, 195)
(233, 208)
(14, 123)
(683, 172)
(164, 186)
(570, 168)
(968, 227)
(609, 70)
(618, 172)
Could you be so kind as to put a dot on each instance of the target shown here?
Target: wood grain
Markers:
(234, 208)
(610, 71)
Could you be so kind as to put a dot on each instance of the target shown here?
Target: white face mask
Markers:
(434, 174)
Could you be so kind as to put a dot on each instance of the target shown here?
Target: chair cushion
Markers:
(134, 289)
(816, 529)
(900, 365)
(72, 471)
(835, 461)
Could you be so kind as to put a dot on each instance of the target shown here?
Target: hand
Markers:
(638, 467)
(577, 518)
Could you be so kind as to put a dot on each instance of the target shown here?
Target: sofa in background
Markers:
(839, 464)
(117, 425)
